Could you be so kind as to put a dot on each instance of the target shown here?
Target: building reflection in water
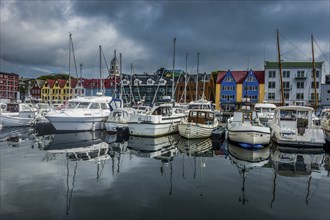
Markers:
(245, 160)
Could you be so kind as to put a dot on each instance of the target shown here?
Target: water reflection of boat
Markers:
(65, 141)
(14, 136)
(245, 160)
(196, 147)
(298, 164)
(152, 147)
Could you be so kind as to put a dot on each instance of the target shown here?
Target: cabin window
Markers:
(72, 105)
(95, 106)
(104, 106)
(83, 105)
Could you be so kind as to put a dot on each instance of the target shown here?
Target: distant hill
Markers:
(55, 76)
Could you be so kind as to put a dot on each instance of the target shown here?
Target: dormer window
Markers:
(125, 82)
(162, 82)
(150, 82)
(137, 82)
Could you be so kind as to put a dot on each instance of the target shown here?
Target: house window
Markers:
(300, 73)
(271, 85)
(317, 85)
(286, 74)
(286, 96)
(272, 74)
(300, 96)
(300, 85)
(271, 95)
(229, 79)
(286, 85)
(313, 97)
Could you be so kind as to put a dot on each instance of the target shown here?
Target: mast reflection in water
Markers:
(91, 175)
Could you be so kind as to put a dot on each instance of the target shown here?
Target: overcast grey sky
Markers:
(236, 35)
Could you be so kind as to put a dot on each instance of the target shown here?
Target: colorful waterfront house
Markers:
(47, 90)
(229, 89)
(35, 89)
(236, 88)
(9, 86)
(94, 86)
(253, 88)
(77, 88)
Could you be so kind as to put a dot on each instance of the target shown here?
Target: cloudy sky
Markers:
(236, 35)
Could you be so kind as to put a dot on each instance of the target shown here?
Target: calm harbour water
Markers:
(93, 175)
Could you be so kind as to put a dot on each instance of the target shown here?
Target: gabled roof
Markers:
(40, 83)
(62, 82)
(221, 76)
(260, 75)
(51, 82)
(239, 76)
(73, 83)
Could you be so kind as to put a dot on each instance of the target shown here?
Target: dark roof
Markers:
(260, 75)
(239, 76)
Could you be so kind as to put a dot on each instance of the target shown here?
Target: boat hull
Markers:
(12, 121)
(153, 130)
(77, 123)
(190, 131)
(250, 136)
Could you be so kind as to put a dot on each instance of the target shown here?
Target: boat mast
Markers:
(70, 39)
(280, 67)
(115, 77)
(197, 76)
(101, 83)
(121, 85)
(185, 81)
(314, 75)
(173, 68)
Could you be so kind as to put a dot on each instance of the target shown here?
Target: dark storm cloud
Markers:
(227, 34)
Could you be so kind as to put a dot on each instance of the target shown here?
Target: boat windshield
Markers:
(83, 105)
(288, 115)
(72, 105)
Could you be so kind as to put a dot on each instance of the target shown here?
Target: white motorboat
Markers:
(161, 120)
(325, 122)
(83, 114)
(293, 126)
(265, 112)
(118, 119)
(17, 114)
(199, 124)
(245, 129)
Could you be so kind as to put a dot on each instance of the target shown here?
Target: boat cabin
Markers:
(201, 117)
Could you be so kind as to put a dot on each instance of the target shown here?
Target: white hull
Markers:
(153, 130)
(77, 123)
(111, 127)
(311, 138)
(189, 130)
(15, 121)
(249, 134)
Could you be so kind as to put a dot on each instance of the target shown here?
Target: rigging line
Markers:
(106, 63)
(324, 55)
(74, 58)
(295, 46)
